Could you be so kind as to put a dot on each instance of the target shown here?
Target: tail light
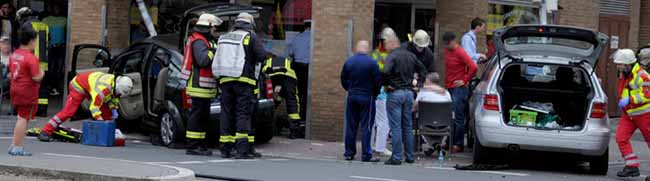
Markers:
(491, 102)
(598, 110)
(269, 89)
(187, 102)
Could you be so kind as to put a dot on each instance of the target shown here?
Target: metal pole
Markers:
(146, 18)
(542, 13)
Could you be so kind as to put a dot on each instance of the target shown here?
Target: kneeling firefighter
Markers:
(284, 78)
(102, 89)
(201, 86)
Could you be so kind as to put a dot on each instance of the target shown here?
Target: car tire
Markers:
(265, 129)
(598, 165)
(482, 155)
(172, 128)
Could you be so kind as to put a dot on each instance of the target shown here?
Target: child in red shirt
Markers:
(26, 76)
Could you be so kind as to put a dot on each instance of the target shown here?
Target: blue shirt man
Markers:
(299, 48)
(362, 79)
(468, 42)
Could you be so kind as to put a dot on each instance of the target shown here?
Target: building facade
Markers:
(339, 23)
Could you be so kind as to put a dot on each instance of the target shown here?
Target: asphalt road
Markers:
(535, 167)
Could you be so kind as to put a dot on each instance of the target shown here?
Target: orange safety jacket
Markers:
(99, 87)
(636, 87)
(206, 85)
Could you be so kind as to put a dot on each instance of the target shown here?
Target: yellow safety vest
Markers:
(634, 91)
(42, 36)
(99, 82)
(379, 57)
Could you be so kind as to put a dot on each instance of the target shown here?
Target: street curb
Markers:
(183, 174)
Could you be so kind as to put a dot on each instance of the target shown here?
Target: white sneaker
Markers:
(387, 153)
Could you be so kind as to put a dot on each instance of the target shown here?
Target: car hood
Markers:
(576, 44)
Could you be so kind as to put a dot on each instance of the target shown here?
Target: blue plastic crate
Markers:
(98, 133)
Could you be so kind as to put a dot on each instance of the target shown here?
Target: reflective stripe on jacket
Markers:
(637, 88)
(204, 85)
(279, 66)
(99, 87)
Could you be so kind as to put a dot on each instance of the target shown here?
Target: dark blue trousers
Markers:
(360, 110)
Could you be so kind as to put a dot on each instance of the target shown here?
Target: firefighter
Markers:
(284, 78)
(201, 85)
(237, 63)
(101, 89)
(634, 91)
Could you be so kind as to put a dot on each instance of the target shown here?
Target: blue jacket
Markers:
(361, 76)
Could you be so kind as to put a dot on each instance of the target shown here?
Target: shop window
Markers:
(506, 15)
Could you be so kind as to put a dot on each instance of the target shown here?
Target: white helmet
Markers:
(624, 56)
(124, 85)
(245, 17)
(421, 39)
(387, 32)
(643, 54)
(209, 20)
(23, 12)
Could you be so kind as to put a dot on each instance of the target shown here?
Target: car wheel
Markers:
(172, 128)
(599, 164)
(482, 155)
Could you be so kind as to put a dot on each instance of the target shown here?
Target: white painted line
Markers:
(220, 161)
(11, 137)
(374, 178)
(183, 173)
(503, 173)
(317, 144)
(190, 162)
(159, 163)
(278, 159)
(441, 168)
(137, 141)
(622, 162)
(295, 154)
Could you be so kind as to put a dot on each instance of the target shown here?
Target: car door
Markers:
(131, 64)
(89, 57)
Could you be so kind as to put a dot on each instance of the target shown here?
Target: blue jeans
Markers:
(360, 110)
(399, 105)
(459, 98)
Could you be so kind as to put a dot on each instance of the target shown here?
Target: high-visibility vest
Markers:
(99, 87)
(636, 87)
(279, 66)
(380, 57)
(42, 36)
(199, 84)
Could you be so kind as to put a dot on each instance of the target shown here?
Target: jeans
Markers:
(399, 105)
(459, 97)
(360, 110)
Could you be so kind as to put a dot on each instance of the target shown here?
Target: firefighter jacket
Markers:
(380, 56)
(636, 87)
(279, 66)
(196, 67)
(254, 55)
(42, 36)
(99, 87)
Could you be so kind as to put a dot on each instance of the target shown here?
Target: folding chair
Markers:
(435, 120)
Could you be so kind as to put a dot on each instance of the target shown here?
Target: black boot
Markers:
(44, 136)
(196, 148)
(243, 148)
(629, 172)
(226, 150)
(253, 153)
(294, 131)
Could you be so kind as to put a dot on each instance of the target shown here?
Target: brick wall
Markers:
(117, 24)
(456, 16)
(85, 22)
(582, 13)
(644, 23)
(330, 52)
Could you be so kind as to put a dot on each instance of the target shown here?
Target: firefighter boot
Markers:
(196, 148)
(294, 129)
(243, 148)
(226, 150)
(629, 172)
(254, 153)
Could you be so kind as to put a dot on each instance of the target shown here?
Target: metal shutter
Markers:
(615, 7)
